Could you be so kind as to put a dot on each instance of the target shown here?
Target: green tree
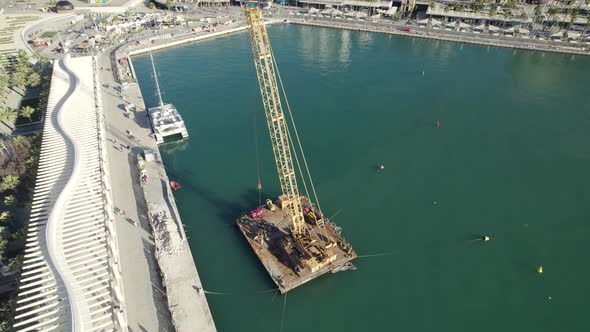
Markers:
(27, 112)
(10, 200)
(8, 115)
(510, 4)
(10, 182)
(152, 6)
(34, 79)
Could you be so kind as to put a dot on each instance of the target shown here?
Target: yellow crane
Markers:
(275, 118)
(313, 247)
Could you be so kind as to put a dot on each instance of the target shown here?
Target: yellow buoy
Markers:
(540, 269)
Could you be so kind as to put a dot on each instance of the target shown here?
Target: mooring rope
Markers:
(377, 255)
(283, 315)
(259, 185)
(228, 293)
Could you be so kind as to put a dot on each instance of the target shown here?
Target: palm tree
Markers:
(20, 141)
(27, 112)
(7, 116)
(9, 200)
(22, 57)
(4, 81)
(4, 216)
(23, 64)
(10, 182)
(42, 60)
(18, 78)
(4, 147)
(152, 6)
(34, 79)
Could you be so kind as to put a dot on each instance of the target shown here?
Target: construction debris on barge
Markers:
(290, 262)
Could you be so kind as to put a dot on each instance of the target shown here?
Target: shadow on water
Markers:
(166, 192)
(227, 210)
(174, 146)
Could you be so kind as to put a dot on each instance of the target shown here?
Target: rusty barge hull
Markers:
(269, 237)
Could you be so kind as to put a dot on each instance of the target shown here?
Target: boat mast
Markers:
(157, 84)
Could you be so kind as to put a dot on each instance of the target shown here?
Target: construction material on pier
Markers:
(188, 305)
(165, 119)
(291, 238)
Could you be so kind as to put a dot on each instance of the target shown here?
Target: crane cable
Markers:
(322, 229)
(296, 133)
(259, 185)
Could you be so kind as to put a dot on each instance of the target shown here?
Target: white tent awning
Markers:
(557, 35)
(523, 31)
(573, 35)
(391, 11)
(435, 22)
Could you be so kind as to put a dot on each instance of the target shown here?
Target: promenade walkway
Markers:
(70, 279)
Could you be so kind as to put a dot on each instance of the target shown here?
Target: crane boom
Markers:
(275, 118)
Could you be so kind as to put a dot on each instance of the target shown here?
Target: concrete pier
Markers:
(158, 269)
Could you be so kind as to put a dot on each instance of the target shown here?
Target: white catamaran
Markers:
(165, 119)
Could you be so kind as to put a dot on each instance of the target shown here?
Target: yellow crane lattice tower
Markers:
(275, 118)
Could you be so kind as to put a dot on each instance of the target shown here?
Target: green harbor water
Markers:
(511, 159)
